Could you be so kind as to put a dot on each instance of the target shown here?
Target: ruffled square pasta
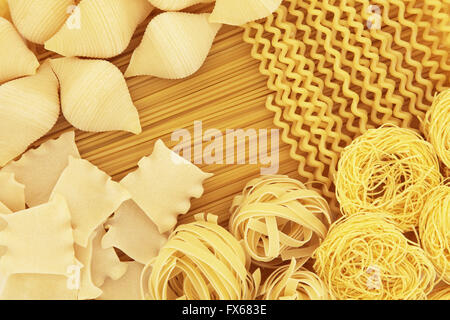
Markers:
(126, 288)
(12, 193)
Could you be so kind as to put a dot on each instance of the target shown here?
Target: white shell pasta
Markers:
(163, 186)
(39, 169)
(175, 5)
(239, 12)
(39, 20)
(131, 231)
(126, 288)
(16, 60)
(91, 195)
(29, 107)
(99, 28)
(174, 46)
(94, 96)
(12, 193)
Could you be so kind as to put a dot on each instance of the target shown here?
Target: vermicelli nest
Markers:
(292, 282)
(366, 257)
(279, 218)
(434, 230)
(201, 261)
(437, 126)
(389, 170)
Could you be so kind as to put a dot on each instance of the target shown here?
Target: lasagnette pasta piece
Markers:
(99, 28)
(174, 46)
(163, 185)
(91, 196)
(39, 169)
(39, 20)
(94, 96)
(16, 60)
(12, 193)
(29, 107)
(175, 5)
(127, 287)
(131, 231)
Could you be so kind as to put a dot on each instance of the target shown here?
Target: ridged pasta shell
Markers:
(39, 20)
(239, 12)
(16, 60)
(175, 5)
(99, 28)
(4, 9)
(94, 96)
(174, 46)
(29, 107)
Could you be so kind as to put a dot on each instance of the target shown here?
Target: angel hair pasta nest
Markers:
(279, 218)
(365, 257)
(201, 261)
(389, 170)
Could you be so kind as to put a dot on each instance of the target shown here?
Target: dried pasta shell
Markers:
(239, 12)
(4, 9)
(175, 5)
(39, 169)
(29, 107)
(12, 193)
(16, 60)
(126, 288)
(94, 96)
(174, 46)
(99, 28)
(38, 21)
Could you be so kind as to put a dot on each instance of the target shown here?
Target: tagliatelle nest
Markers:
(388, 170)
(279, 218)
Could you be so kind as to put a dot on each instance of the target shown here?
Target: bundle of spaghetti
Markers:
(437, 124)
(366, 257)
(292, 282)
(201, 261)
(279, 218)
(434, 230)
(389, 169)
(440, 293)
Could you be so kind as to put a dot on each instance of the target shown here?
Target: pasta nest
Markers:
(387, 170)
(279, 218)
(434, 230)
(292, 282)
(366, 257)
(437, 124)
(442, 293)
(200, 261)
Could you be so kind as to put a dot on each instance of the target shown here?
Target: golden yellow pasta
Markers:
(292, 282)
(278, 218)
(366, 257)
(434, 226)
(163, 185)
(29, 107)
(239, 12)
(12, 193)
(39, 169)
(440, 293)
(94, 96)
(4, 9)
(127, 287)
(388, 170)
(201, 261)
(175, 5)
(38, 21)
(174, 46)
(4, 209)
(99, 28)
(437, 124)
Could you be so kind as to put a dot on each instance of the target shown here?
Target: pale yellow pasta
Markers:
(12, 193)
(94, 96)
(16, 60)
(39, 169)
(132, 231)
(38, 240)
(175, 5)
(91, 195)
(87, 288)
(174, 46)
(38, 21)
(239, 12)
(4, 9)
(163, 185)
(127, 287)
(4, 209)
(99, 28)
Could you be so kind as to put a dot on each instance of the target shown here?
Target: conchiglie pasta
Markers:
(239, 12)
(94, 96)
(38, 21)
(99, 28)
(174, 46)
(16, 60)
(29, 107)
(175, 5)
